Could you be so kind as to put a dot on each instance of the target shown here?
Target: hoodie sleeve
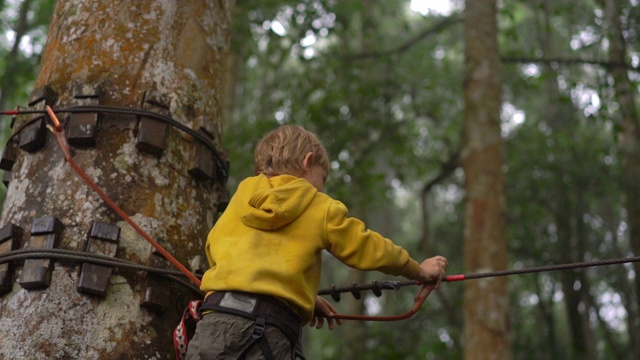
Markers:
(351, 242)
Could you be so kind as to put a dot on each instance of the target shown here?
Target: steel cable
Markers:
(124, 111)
(85, 257)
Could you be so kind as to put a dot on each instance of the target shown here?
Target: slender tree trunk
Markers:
(486, 303)
(620, 280)
(581, 233)
(169, 57)
(545, 307)
(628, 139)
(571, 280)
(560, 117)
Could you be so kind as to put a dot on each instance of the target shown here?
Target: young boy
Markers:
(265, 254)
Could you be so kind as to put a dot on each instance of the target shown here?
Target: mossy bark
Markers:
(177, 49)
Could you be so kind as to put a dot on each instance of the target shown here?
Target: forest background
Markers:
(382, 83)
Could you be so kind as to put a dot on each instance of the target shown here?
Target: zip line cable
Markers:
(376, 286)
(428, 287)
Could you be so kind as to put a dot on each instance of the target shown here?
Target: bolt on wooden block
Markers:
(6, 178)
(102, 239)
(45, 234)
(8, 159)
(82, 128)
(223, 200)
(152, 133)
(9, 155)
(10, 237)
(33, 136)
(202, 164)
(157, 293)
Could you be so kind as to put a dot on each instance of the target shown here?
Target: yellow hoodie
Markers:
(270, 239)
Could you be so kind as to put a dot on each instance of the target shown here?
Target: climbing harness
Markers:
(262, 310)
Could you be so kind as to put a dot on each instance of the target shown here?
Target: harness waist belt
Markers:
(253, 306)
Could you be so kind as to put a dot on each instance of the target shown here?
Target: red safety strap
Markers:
(185, 329)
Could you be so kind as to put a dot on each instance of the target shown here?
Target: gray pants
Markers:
(228, 336)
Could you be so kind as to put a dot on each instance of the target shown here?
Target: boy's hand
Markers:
(432, 270)
(322, 310)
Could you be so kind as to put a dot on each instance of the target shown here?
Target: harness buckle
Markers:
(259, 327)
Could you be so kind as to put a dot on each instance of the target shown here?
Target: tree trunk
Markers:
(629, 140)
(561, 117)
(167, 57)
(486, 304)
(548, 319)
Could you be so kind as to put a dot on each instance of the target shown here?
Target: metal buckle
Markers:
(258, 328)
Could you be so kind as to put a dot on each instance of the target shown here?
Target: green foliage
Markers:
(21, 45)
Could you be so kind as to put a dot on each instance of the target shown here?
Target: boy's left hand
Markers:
(323, 309)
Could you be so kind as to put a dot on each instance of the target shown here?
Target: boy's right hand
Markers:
(432, 270)
(323, 309)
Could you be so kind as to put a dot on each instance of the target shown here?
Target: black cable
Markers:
(130, 111)
(395, 285)
(553, 268)
(82, 257)
(376, 286)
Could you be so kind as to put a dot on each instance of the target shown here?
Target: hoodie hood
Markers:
(271, 203)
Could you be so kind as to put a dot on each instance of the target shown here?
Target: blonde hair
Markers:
(282, 150)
